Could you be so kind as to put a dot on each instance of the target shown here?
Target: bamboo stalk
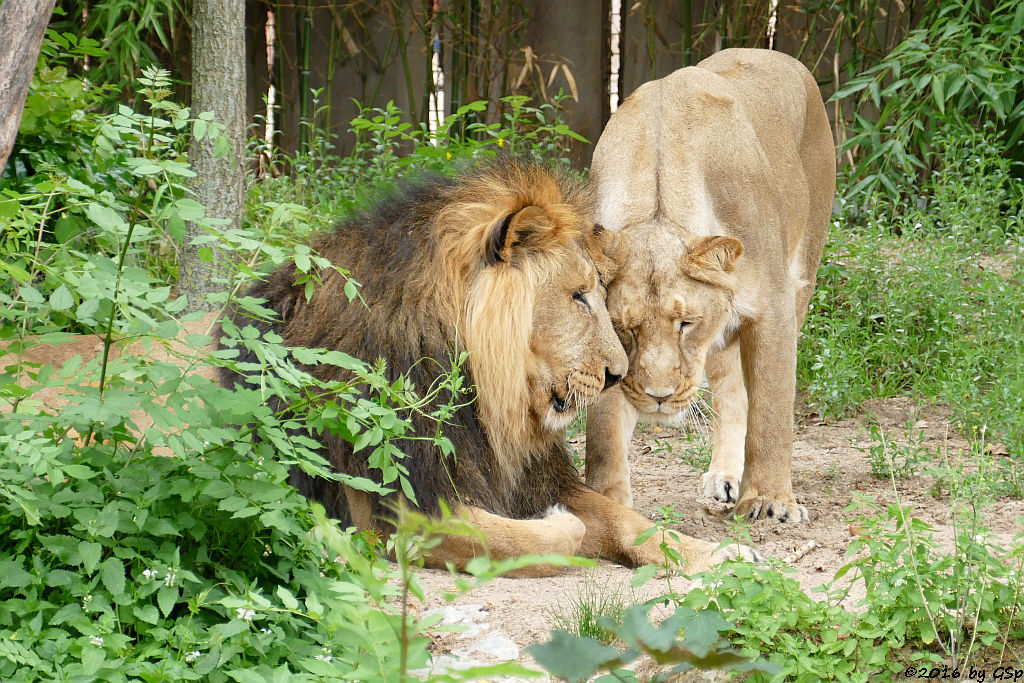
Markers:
(306, 33)
(687, 33)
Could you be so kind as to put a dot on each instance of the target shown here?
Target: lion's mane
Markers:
(429, 259)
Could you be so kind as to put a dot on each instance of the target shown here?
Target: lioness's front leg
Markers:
(612, 528)
(729, 407)
(610, 423)
(768, 353)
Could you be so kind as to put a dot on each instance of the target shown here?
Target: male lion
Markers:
(719, 181)
(502, 264)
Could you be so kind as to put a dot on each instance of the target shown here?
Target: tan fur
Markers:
(719, 181)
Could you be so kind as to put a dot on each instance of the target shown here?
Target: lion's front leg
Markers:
(729, 406)
(559, 531)
(610, 423)
(768, 352)
(612, 529)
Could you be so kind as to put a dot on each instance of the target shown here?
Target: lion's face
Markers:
(671, 302)
(574, 347)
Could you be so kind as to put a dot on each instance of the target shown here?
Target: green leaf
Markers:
(645, 535)
(147, 613)
(30, 294)
(90, 554)
(74, 471)
(61, 299)
(940, 101)
(572, 657)
(287, 598)
(701, 629)
(232, 504)
(104, 216)
(167, 597)
(642, 575)
(92, 659)
(221, 147)
(66, 228)
(13, 574)
(8, 208)
(247, 676)
(112, 575)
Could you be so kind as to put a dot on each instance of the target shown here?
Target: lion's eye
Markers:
(578, 296)
(683, 324)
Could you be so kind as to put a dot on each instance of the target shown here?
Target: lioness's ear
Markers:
(713, 253)
(601, 245)
(514, 230)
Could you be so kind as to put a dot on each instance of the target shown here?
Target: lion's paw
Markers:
(721, 486)
(761, 507)
(567, 530)
(736, 551)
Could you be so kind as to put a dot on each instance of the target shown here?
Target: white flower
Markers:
(170, 578)
(245, 614)
(324, 658)
(96, 640)
(150, 573)
(192, 656)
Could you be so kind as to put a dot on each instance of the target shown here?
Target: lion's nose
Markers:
(610, 379)
(659, 394)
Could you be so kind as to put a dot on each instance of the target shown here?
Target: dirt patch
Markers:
(831, 465)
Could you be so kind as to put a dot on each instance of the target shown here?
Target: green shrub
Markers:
(924, 303)
(961, 66)
(388, 147)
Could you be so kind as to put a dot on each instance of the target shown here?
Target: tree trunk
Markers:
(218, 86)
(22, 26)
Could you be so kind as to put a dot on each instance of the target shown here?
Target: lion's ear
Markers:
(718, 253)
(513, 231)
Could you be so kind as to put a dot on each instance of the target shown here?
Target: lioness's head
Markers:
(671, 301)
(537, 327)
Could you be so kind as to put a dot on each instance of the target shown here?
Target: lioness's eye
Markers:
(578, 296)
(683, 324)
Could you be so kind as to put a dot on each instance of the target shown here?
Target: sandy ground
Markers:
(829, 469)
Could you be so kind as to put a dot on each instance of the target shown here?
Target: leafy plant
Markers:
(922, 303)
(577, 658)
(579, 614)
(899, 458)
(962, 65)
(389, 146)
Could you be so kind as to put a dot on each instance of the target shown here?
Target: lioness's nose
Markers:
(610, 379)
(659, 394)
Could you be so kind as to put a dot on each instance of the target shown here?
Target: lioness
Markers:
(719, 180)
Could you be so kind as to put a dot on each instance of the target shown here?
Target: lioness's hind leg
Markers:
(729, 404)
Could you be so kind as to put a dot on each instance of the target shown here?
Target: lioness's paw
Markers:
(720, 486)
(761, 507)
(621, 494)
